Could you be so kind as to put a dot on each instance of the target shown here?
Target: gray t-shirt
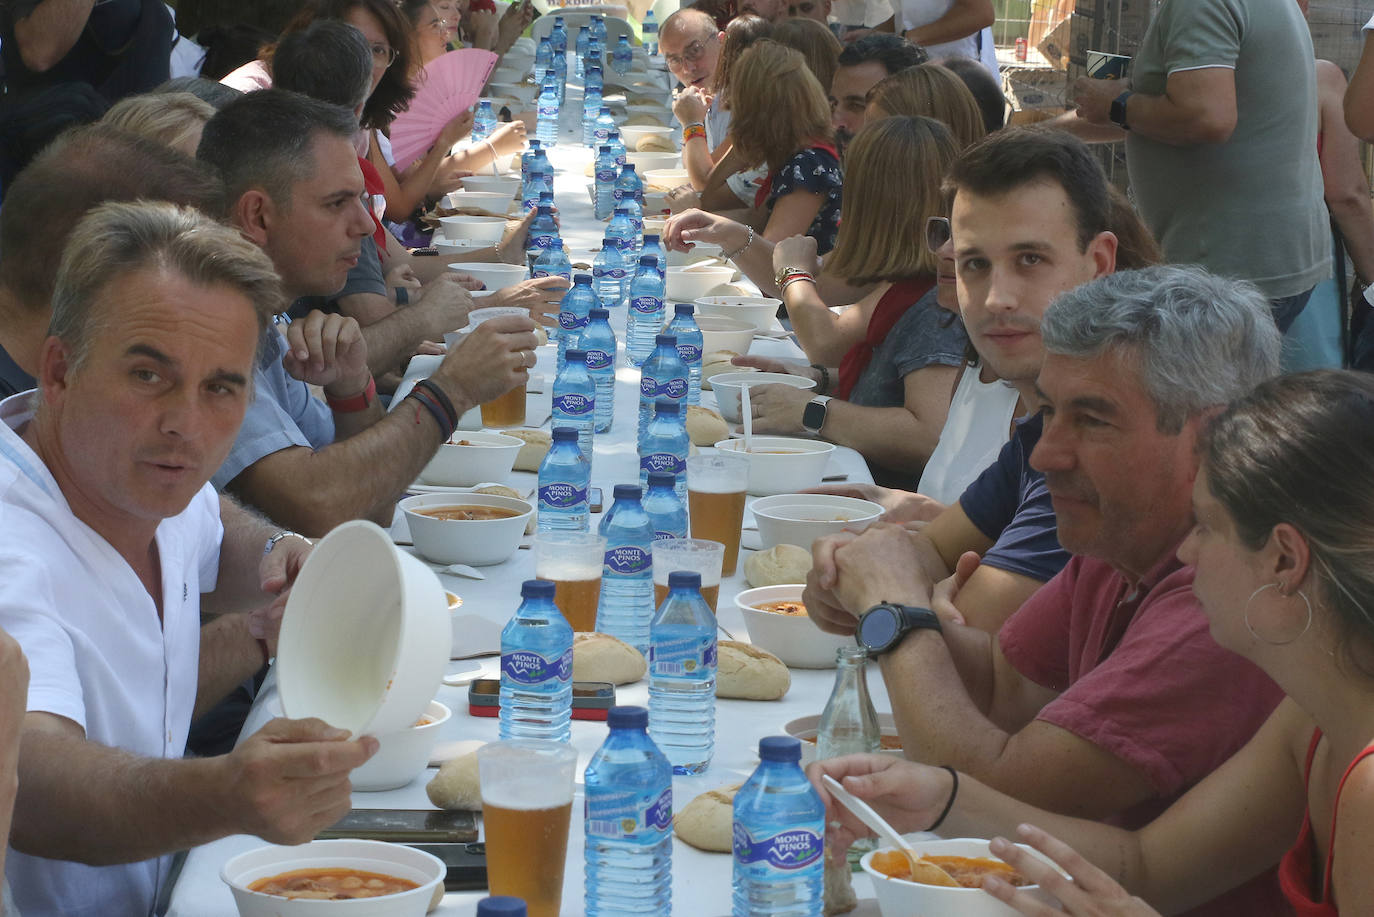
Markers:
(282, 414)
(1252, 207)
(925, 335)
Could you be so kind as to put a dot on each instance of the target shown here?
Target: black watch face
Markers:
(878, 628)
(813, 416)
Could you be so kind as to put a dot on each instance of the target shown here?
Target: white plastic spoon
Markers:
(747, 415)
(875, 821)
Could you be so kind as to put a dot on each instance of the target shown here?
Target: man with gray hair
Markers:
(1104, 696)
(111, 533)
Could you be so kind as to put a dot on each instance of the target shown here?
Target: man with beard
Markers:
(864, 64)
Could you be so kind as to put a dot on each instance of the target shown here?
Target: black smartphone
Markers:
(467, 865)
(594, 500)
(405, 826)
(591, 700)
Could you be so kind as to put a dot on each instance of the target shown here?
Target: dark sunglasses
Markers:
(937, 233)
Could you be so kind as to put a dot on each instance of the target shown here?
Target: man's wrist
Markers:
(340, 390)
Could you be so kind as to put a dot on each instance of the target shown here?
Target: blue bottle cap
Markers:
(538, 589)
(648, 261)
(501, 906)
(661, 406)
(575, 356)
(629, 167)
(545, 209)
(625, 491)
(565, 434)
(605, 148)
(683, 308)
(534, 144)
(662, 478)
(605, 110)
(665, 340)
(773, 748)
(582, 278)
(650, 237)
(622, 209)
(627, 717)
(688, 579)
(599, 312)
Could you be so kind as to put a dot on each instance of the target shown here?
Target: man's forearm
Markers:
(963, 19)
(229, 654)
(46, 35)
(1087, 131)
(1161, 118)
(237, 587)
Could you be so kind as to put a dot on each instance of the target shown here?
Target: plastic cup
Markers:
(573, 561)
(715, 501)
(695, 555)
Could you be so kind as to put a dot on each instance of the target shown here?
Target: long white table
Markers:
(701, 881)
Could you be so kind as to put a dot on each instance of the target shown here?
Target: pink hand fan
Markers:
(448, 86)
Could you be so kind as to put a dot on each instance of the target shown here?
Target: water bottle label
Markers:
(598, 360)
(561, 495)
(548, 111)
(666, 536)
(662, 461)
(688, 354)
(571, 321)
(604, 176)
(525, 667)
(617, 274)
(544, 241)
(617, 814)
(674, 388)
(572, 405)
(682, 657)
(646, 305)
(627, 560)
(544, 272)
(787, 850)
(602, 135)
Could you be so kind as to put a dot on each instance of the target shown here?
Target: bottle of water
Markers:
(546, 197)
(558, 36)
(608, 273)
(646, 313)
(573, 312)
(565, 476)
(596, 56)
(546, 125)
(559, 45)
(628, 809)
(599, 28)
(584, 39)
(629, 186)
(598, 340)
(539, 184)
(605, 172)
(542, 164)
(666, 510)
(502, 906)
(682, 675)
(663, 445)
(591, 107)
(536, 668)
(649, 29)
(484, 121)
(652, 246)
(684, 327)
(543, 234)
(617, 146)
(627, 579)
(635, 210)
(574, 399)
(553, 262)
(663, 377)
(543, 60)
(622, 55)
(594, 79)
(779, 836)
(622, 230)
(601, 131)
(527, 163)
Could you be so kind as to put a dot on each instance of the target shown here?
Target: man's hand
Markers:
(686, 229)
(898, 505)
(511, 248)
(494, 357)
(277, 572)
(691, 105)
(541, 295)
(327, 350)
(402, 276)
(778, 408)
(799, 252)
(508, 138)
(942, 597)
(447, 303)
(879, 565)
(907, 795)
(515, 20)
(825, 610)
(1093, 98)
(290, 779)
(777, 365)
(683, 198)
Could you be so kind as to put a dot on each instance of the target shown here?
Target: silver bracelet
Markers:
(742, 249)
(284, 533)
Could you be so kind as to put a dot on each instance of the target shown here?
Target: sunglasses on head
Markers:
(937, 233)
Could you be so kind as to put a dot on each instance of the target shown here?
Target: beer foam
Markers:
(528, 794)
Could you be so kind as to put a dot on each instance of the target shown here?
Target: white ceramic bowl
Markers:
(667, 178)
(645, 162)
(451, 247)
(493, 201)
(364, 638)
(794, 639)
(781, 464)
(701, 251)
(898, 898)
(401, 756)
(686, 284)
(369, 856)
(802, 518)
(472, 458)
(499, 183)
(633, 133)
(806, 727)
(478, 542)
(725, 334)
(493, 273)
(727, 388)
(475, 229)
(759, 311)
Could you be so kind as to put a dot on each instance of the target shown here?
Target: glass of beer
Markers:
(715, 501)
(573, 562)
(694, 555)
(527, 793)
(509, 409)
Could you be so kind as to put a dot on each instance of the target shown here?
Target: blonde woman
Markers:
(932, 91)
(174, 119)
(816, 43)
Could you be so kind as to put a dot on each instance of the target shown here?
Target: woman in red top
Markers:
(1284, 555)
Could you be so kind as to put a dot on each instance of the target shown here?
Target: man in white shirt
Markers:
(110, 533)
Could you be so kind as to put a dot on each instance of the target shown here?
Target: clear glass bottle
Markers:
(849, 724)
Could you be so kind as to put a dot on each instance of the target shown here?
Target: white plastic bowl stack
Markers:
(759, 311)
(401, 756)
(686, 284)
(719, 333)
(493, 274)
(781, 464)
(491, 201)
(795, 639)
(451, 247)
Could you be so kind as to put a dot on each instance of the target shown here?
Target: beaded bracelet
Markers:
(795, 277)
(824, 385)
(426, 401)
(692, 131)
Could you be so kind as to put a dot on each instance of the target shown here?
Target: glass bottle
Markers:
(849, 724)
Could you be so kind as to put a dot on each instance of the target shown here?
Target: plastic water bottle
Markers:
(629, 186)
(652, 246)
(663, 445)
(573, 311)
(666, 510)
(622, 230)
(484, 121)
(502, 906)
(649, 29)
(601, 131)
(617, 146)
(560, 75)
(596, 53)
(627, 578)
(599, 28)
(594, 78)
(598, 340)
(779, 836)
(542, 164)
(565, 476)
(546, 125)
(591, 107)
(584, 40)
(543, 234)
(622, 55)
(558, 36)
(574, 399)
(608, 273)
(646, 313)
(543, 60)
(553, 262)
(605, 172)
(536, 668)
(629, 819)
(689, 341)
(539, 183)
(682, 675)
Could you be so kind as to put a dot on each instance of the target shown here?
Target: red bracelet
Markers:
(693, 130)
(352, 405)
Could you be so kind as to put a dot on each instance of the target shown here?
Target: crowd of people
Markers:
(1120, 598)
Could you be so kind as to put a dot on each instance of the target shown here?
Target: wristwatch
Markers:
(883, 626)
(1118, 110)
(813, 415)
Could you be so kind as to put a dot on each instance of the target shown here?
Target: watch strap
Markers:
(814, 414)
(1117, 113)
(909, 618)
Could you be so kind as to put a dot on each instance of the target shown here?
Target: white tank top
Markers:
(976, 429)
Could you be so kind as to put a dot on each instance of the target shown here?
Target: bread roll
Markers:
(779, 565)
(541, 335)
(718, 361)
(499, 490)
(707, 822)
(655, 143)
(749, 673)
(601, 657)
(643, 119)
(537, 443)
(704, 426)
(456, 785)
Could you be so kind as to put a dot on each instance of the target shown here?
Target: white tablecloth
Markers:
(701, 881)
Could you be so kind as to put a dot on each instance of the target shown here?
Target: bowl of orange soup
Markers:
(345, 877)
(965, 860)
(463, 528)
(778, 622)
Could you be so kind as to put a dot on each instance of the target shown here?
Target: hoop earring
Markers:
(1306, 626)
